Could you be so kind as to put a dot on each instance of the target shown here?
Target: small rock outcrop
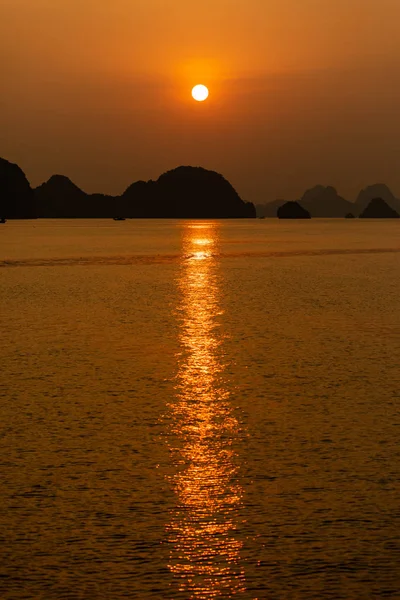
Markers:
(292, 210)
(269, 209)
(17, 199)
(379, 209)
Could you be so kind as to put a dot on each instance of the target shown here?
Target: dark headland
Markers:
(182, 193)
(17, 199)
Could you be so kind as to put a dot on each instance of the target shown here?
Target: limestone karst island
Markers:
(182, 193)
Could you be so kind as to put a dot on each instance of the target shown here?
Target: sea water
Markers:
(199, 409)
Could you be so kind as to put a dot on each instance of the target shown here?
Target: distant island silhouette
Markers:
(292, 210)
(324, 202)
(182, 193)
(378, 209)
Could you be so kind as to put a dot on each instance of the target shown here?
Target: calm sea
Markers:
(199, 410)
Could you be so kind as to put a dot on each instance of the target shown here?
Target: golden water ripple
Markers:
(205, 547)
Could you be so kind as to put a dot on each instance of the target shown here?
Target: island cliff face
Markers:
(17, 199)
(182, 193)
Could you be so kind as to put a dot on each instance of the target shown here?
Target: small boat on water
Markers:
(119, 219)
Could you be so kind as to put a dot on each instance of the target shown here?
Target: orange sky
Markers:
(301, 92)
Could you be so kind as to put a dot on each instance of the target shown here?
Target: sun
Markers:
(200, 93)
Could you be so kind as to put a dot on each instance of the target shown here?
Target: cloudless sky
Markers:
(301, 92)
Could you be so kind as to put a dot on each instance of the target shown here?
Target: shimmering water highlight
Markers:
(197, 410)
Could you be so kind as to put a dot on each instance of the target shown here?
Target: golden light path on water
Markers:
(205, 549)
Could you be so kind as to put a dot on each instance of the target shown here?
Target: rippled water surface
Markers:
(199, 410)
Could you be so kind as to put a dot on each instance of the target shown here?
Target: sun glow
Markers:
(200, 93)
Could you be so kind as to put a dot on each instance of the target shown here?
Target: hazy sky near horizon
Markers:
(300, 92)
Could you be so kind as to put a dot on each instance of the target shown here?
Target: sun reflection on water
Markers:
(205, 549)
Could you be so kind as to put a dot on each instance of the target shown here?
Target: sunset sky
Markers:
(301, 92)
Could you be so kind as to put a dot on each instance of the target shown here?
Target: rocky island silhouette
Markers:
(182, 193)
(292, 210)
(17, 199)
(378, 209)
(324, 202)
(185, 192)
